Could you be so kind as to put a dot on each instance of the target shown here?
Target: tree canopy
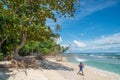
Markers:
(23, 25)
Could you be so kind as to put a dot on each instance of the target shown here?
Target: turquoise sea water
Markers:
(104, 61)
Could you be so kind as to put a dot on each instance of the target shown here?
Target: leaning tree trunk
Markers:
(3, 40)
(16, 56)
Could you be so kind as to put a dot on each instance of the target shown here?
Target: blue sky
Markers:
(95, 27)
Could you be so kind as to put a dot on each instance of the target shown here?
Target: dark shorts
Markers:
(81, 69)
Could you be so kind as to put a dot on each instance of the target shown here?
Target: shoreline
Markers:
(89, 72)
(60, 70)
(101, 70)
(113, 69)
(92, 67)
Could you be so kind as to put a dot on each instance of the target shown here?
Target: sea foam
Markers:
(98, 56)
(80, 60)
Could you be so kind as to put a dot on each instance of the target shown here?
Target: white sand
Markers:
(21, 75)
(60, 71)
(90, 73)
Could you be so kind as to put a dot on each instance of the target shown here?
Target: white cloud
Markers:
(59, 40)
(87, 7)
(106, 43)
(91, 6)
(79, 44)
(109, 40)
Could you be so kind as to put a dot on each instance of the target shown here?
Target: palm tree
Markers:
(58, 28)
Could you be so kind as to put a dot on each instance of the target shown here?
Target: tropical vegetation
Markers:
(23, 29)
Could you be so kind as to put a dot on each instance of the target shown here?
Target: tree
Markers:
(25, 19)
(58, 28)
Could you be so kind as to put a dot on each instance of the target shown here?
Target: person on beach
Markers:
(81, 66)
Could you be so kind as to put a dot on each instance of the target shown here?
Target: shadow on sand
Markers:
(4, 73)
(4, 76)
(45, 64)
(54, 66)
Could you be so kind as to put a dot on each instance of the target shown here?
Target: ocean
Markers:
(104, 61)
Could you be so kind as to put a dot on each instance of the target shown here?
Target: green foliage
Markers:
(1, 55)
(29, 47)
(46, 46)
(64, 49)
(23, 25)
(45, 50)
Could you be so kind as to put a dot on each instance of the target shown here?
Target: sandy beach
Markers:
(59, 71)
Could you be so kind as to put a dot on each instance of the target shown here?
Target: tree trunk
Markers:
(16, 56)
(3, 41)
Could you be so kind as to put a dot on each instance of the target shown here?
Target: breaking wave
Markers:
(80, 60)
